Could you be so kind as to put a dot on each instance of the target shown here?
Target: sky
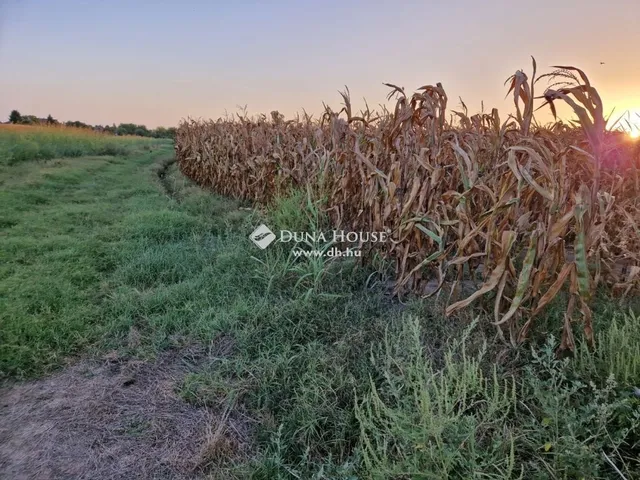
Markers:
(157, 62)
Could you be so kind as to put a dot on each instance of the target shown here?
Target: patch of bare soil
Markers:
(113, 419)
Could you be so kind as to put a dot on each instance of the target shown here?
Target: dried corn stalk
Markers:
(519, 211)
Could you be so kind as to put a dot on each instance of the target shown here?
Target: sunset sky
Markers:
(157, 62)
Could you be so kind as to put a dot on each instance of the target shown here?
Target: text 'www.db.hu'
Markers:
(331, 253)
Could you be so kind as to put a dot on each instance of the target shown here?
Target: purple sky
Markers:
(157, 62)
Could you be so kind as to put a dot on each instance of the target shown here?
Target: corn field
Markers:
(526, 211)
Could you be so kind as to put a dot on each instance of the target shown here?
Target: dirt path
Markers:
(107, 420)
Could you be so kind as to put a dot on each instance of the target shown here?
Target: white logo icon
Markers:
(262, 236)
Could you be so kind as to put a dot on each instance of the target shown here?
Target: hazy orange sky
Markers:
(157, 62)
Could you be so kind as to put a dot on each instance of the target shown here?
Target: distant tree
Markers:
(51, 120)
(159, 132)
(133, 129)
(126, 129)
(162, 132)
(141, 131)
(29, 120)
(77, 124)
(15, 117)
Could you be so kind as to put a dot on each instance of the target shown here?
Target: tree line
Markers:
(16, 117)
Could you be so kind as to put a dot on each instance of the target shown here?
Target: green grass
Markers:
(19, 143)
(340, 380)
(85, 244)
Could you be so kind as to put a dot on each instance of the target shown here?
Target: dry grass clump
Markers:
(111, 420)
(526, 210)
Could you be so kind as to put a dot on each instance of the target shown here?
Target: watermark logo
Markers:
(262, 236)
(318, 241)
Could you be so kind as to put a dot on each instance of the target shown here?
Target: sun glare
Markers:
(631, 123)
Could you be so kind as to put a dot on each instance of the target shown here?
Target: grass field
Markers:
(123, 255)
(19, 143)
